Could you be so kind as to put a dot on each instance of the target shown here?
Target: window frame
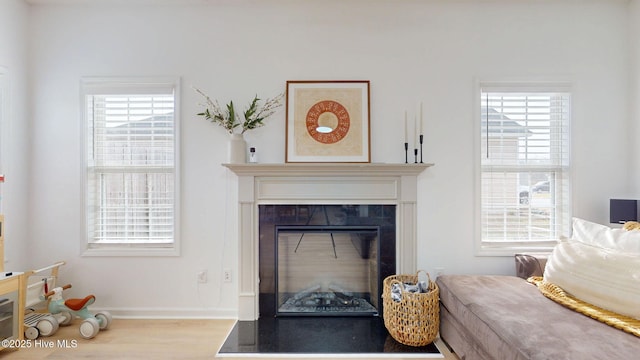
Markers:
(129, 85)
(492, 248)
(4, 123)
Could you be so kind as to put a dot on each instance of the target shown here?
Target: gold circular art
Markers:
(328, 122)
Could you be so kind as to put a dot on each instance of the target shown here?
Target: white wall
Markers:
(14, 136)
(410, 50)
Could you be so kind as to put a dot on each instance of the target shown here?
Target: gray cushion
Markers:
(505, 317)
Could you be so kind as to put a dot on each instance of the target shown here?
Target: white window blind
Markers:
(524, 182)
(131, 164)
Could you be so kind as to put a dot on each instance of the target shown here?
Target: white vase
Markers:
(237, 149)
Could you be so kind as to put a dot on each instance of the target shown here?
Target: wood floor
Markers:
(134, 339)
(139, 339)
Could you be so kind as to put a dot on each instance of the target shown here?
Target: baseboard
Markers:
(169, 313)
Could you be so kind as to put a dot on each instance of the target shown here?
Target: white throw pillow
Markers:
(603, 236)
(604, 275)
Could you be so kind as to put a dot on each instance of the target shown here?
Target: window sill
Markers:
(512, 250)
(137, 251)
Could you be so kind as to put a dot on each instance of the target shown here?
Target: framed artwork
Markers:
(328, 121)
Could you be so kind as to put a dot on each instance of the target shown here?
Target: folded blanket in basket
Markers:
(396, 289)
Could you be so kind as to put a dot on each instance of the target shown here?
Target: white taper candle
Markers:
(421, 120)
(406, 131)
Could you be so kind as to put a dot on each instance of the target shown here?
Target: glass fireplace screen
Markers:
(327, 270)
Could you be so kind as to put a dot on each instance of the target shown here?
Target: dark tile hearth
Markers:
(316, 335)
(321, 269)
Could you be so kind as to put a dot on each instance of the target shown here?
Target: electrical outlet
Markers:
(226, 275)
(202, 277)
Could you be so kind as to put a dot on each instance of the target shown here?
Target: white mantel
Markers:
(321, 183)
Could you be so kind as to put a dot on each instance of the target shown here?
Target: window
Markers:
(4, 112)
(131, 135)
(3, 122)
(524, 167)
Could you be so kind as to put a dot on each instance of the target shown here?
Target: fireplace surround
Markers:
(320, 184)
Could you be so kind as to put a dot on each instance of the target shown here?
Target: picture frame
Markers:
(328, 121)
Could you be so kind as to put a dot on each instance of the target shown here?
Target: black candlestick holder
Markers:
(415, 153)
(421, 139)
(406, 153)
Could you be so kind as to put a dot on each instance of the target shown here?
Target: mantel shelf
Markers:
(324, 169)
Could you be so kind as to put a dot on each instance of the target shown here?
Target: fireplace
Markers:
(325, 260)
(303, 187)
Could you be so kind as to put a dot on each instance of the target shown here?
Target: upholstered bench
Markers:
(595, 272)
(505, 317)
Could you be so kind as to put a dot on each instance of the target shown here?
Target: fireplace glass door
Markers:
(327, 270)
(325, 259)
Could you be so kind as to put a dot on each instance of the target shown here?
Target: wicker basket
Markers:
(415, 319)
